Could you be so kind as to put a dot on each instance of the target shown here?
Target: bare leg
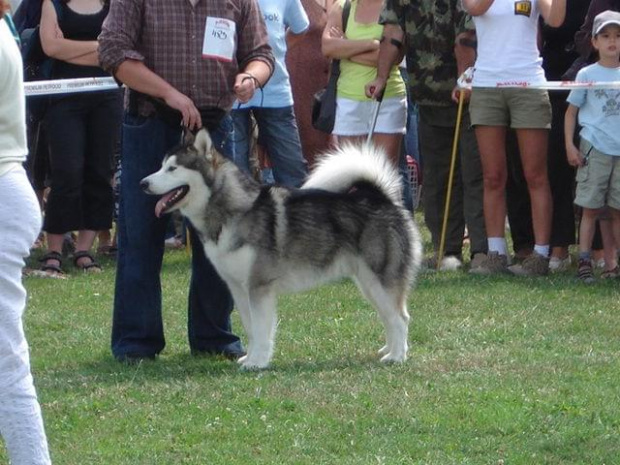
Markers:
(533, 148)
(492, 147)
(391, 145)
(586, 229)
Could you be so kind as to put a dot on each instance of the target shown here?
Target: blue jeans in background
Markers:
(137, 327)
(279, 135)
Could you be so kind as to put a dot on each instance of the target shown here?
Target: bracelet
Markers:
(253, 78)
(468, 42)
(395, 42)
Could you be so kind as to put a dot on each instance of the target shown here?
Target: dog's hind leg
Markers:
(391, 304)
(262, 313)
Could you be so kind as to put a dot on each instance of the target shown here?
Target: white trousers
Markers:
(21, 423)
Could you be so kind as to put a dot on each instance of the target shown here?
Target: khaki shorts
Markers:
(517, 108)
(598, 181)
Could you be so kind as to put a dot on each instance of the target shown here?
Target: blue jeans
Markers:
(137, 328)
(278, 133)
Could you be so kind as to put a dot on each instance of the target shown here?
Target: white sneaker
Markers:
(448, 263)
(557, 264)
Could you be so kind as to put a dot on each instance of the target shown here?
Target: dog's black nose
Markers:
(144, 184)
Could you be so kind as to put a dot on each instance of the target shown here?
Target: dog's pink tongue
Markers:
(162, 203)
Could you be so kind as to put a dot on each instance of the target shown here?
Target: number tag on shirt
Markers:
(523, 8)
(219, 42)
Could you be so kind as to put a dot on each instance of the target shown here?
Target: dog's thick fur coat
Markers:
(347, 220)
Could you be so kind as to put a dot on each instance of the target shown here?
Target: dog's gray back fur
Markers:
(309, 227)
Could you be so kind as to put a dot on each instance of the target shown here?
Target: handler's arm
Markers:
(135, 75)
(390, 53)
(254, 76)
(465, 53)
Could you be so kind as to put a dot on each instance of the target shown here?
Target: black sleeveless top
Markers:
(76, 26)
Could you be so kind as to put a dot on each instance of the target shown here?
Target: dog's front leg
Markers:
(262, 312)
(241, 297)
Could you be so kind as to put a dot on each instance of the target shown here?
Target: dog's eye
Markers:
(172, 168)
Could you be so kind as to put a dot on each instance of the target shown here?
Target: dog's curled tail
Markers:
(339, 169)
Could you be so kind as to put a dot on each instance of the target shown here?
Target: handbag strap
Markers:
(346, 9)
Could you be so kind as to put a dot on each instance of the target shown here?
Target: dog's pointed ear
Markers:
(188, 137)
(203, 143)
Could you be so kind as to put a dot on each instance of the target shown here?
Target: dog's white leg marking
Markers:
(392, 309)
(263, 328)
(242, 302)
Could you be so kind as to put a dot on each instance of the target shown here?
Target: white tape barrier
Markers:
(69, 86)
(464, 82)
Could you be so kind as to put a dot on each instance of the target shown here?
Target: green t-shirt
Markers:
(353, 76)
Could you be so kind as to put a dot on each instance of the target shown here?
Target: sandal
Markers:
(611, 274)
(107, 250)
(50, 268)
(91, 267)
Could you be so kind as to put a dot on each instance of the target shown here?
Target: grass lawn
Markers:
(501, 370)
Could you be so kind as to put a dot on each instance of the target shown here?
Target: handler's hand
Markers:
(374, 89)
(189, 112)
(244, 87)
(456, 94)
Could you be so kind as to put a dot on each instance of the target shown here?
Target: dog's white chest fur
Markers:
(233, 264)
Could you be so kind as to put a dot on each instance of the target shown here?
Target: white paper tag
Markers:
(219, 42)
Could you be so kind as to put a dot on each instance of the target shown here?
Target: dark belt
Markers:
(211, 116)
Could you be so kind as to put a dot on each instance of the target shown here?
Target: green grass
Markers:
(501, 370)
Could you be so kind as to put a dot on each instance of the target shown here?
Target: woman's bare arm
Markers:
(56, 46)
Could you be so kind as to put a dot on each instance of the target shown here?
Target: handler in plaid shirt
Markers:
(184, 62)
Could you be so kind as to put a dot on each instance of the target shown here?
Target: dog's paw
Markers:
(253, 362)
(394, 358)
(383, 350)
(250, 365)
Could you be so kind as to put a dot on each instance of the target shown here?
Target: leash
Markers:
(375, 115)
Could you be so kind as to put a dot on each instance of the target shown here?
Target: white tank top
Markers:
(507, 47)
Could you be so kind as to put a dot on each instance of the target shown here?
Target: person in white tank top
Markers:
(507, 56)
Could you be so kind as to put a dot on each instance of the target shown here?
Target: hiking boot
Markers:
(477, 260)
(584, 271)
(534, 265)
(493, 263)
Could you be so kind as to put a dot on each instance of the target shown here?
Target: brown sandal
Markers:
(91, 267)
(51, 269)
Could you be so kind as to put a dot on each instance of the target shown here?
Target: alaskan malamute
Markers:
(347, 220)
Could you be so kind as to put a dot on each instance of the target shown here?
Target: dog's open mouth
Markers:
(170, 199)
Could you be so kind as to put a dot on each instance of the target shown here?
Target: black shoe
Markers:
(227, 354)
(135, 359)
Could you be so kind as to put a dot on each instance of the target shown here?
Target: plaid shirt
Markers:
(167, 35)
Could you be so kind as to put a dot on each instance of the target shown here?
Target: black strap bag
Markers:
(324, 101)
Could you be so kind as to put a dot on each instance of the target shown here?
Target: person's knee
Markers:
(537, 180)
(590, 214)
(494, 180)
